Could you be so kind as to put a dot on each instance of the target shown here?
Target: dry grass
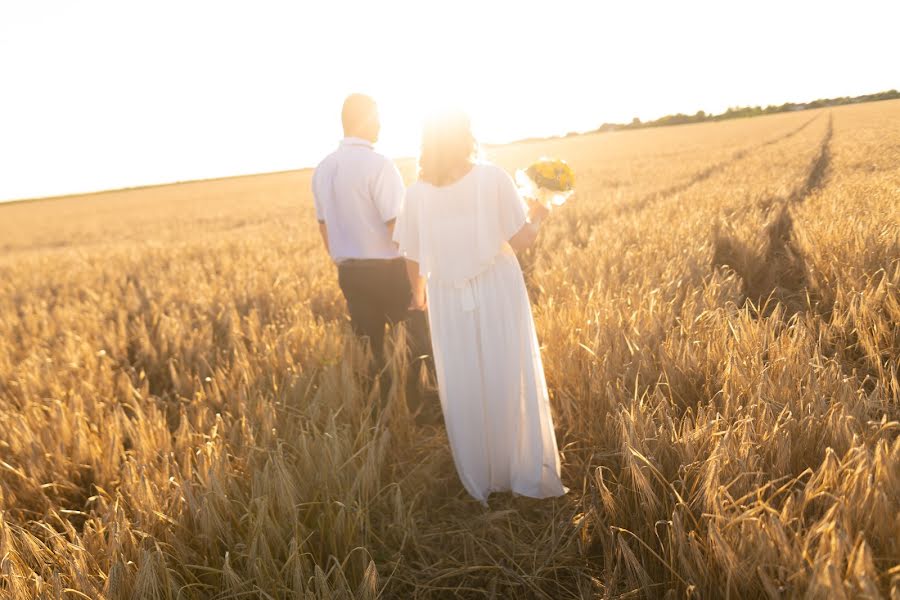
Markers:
(181, 417)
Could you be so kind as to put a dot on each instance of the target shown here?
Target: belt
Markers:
(367, 262)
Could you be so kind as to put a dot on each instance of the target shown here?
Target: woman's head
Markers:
(448, 146)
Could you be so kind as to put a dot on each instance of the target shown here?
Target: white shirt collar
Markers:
(355, 141)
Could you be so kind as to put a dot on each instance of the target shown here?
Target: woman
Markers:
(459, 230)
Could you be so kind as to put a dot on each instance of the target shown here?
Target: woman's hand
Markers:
(418, 300)
(536, 211)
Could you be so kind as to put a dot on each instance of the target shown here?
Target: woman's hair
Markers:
(447, 145)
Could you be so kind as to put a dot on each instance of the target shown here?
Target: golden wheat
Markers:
(181, 415)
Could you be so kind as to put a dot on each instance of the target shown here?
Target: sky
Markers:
(107, 94)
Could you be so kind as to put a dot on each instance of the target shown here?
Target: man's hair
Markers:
(358, 112)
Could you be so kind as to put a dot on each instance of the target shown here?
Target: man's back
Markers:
(358, 192)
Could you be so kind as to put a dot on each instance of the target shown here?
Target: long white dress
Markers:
(486, 354)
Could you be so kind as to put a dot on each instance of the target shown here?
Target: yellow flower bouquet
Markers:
(550, 181)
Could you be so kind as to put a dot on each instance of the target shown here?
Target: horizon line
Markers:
(597, 130)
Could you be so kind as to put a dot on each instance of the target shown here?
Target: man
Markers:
(358, 195)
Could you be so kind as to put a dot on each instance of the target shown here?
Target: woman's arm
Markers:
(527, 235)
(417, 283)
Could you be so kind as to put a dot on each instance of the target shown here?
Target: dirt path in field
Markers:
(581, 238)
(711, 170)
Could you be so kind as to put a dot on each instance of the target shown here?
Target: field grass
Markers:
(181, 414)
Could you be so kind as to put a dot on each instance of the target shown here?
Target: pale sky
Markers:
(106, 94)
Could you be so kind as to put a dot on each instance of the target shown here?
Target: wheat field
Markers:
(182, 413)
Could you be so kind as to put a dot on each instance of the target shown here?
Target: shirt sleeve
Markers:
(389, 191)
(511, 208)
(318, 199)
(406, 229)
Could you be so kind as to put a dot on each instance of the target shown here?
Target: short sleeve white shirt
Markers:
(357, 192)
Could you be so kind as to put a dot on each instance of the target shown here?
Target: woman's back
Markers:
(456, 231)
(486, 354)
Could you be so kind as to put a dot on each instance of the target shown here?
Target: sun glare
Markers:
(235, 88)
(484, 80)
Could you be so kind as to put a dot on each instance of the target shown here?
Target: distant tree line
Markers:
(745, 111)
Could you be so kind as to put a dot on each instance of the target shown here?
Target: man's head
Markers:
(360, 117)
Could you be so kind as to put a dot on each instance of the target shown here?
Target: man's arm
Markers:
(318, 201)
(323, 230)
(388, 193)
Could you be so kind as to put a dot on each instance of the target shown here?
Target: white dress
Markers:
(486, 354)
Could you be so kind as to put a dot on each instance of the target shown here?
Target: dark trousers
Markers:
(378, 294)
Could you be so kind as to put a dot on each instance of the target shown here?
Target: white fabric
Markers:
(357, 191)
(490, 377)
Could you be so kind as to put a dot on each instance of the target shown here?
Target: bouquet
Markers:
(550, 181)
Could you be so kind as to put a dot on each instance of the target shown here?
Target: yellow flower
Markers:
(552, 174)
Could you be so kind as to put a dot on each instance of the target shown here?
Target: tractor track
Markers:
(779, 274)
(709, 171)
